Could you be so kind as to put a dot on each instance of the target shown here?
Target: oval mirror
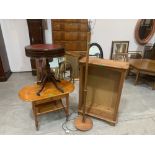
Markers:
(144, 30)
(95, 50)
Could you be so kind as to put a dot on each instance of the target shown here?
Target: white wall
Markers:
(48, 32)
(106, 31)
(16, 37)
(15, 33)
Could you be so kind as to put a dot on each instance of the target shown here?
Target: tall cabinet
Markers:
(36, 35)
(72, 35)
(5, 71)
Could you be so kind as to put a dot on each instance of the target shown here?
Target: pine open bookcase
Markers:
(105, 82)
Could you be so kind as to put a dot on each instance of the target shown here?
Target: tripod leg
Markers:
(55, 84)
(43, 85)
(41, 81)
(53, 75)
(71, 73)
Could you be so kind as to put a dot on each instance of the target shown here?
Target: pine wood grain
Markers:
(106, 63)
(28, 93)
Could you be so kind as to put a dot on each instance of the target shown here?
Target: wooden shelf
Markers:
(105, 82)
(49, 107)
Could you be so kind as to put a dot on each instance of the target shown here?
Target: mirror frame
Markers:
(99, 47)
(146, 40)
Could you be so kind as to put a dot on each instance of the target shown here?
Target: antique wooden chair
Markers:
(63, 69)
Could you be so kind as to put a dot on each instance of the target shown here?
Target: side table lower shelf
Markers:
(46, 107)
(49, 107)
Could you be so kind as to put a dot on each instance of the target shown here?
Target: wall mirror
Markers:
(144, 30)
(95, 50)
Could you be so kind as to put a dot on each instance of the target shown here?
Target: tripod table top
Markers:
(44, 50)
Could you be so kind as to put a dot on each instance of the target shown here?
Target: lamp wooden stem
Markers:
(82, 123)
(86, 76)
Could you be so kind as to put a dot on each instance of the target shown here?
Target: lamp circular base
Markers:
(83, 126)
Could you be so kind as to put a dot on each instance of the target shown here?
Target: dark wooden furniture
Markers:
(144, 30)
(46, 52)
(50, 100)
(36, 34)
(72, 35)
(149, 52)
(143, 66)
(5, 71)
(105, 82)
(135, 54)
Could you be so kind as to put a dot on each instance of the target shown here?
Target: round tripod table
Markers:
(46, 52)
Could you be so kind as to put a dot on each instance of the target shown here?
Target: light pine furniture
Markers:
(105, 82)
(143, 66)
(73, 59)
(50, 99)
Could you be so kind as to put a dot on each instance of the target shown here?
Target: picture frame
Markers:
(135, 54)
(119, 48)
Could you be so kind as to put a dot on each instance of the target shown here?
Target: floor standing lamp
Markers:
(82, 122)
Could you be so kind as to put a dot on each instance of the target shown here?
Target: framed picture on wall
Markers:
(135, 54)
(119, 49)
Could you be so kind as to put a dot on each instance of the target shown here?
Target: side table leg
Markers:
(153, 85)
(35, 116)
(127, 73)
(67, 107)
(137, 77)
